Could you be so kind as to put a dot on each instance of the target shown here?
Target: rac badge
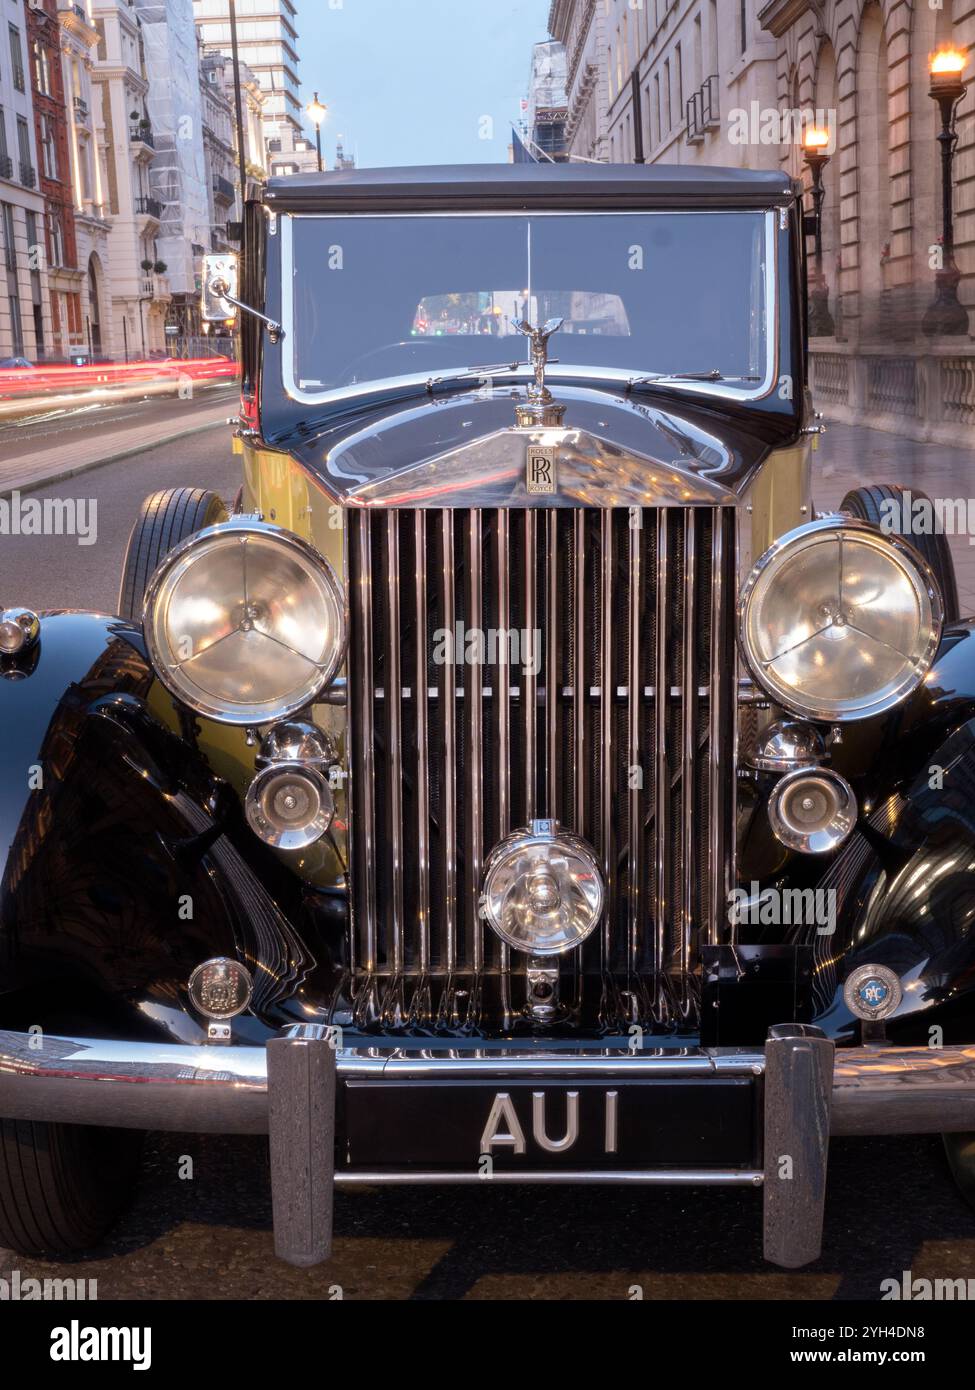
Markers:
(541, 471)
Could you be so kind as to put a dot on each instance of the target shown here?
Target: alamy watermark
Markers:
(475, 646)
(14, 1288)
(788, 907)
(50, 516)
(907, 515)
(768, 125)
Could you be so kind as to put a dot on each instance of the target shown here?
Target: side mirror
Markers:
(219, 279)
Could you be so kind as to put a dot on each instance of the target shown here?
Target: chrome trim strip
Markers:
(394, 717)
(568, 371)
(635, 798)
(579, 758)
(531, 678)
(689, 752)
(504, 726)
(450, 749)
(422, 744)
(552, 664)
(474, 703)
(362, 756)
(581, 1177)
(661, 757)
(606, 769)
(717, 887)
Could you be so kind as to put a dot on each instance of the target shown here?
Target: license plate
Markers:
(531, 1125)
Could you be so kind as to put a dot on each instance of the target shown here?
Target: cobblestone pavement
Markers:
(851, 455)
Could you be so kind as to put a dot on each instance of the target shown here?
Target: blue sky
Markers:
(411, 81)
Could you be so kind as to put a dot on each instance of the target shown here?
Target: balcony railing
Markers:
(148, 207)
(6, 167)
(702, 110)
(224, 188)
(141, 134)
(81, 109)
(28, 176)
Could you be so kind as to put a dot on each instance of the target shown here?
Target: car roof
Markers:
(521, 187)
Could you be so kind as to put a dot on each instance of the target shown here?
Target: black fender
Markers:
(126, 861)
(902, 887)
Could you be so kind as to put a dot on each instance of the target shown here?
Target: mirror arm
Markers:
(274, 330)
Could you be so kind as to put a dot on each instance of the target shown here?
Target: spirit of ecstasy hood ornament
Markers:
(541, 407)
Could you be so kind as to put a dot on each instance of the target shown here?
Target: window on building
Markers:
(16, 57)
(57, 239)
(49, 149)
(680, 82)
(4, 151)
(23, 149)
(42, 69)
(668, 115)
(7, 225)
(658, 131)
(35, 262)
(743, 23)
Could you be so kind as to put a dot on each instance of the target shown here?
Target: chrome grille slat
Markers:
(637, 672)
(421, 686)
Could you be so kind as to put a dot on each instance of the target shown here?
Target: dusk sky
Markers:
(411, 81)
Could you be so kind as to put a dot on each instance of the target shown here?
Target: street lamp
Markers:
(814, 143)
(945, 314)
(316, 112)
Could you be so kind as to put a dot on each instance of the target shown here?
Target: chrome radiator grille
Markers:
(624, 733)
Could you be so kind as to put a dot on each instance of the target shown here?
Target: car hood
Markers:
(465, 449)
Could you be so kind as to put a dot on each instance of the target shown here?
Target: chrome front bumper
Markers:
(287, 1090)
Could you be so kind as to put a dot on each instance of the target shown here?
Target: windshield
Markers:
(378, 298)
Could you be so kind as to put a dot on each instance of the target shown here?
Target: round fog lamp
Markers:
(220, 988)
(289, 805)
(19, 628)
(543, 890)
(812, 810)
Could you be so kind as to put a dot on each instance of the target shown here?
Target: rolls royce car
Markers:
(520, 780)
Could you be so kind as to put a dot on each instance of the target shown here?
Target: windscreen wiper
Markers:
(466, 373)
(712, 375)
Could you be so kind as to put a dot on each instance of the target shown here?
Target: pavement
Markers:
(54, 444)
(851, 455)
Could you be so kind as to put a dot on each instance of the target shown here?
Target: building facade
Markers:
(23, 317)
(138, 284)
(81, 301)
(866, 63)
(218, 150)
(268, 44)
(739, 82)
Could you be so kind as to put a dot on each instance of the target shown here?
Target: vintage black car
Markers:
(524, 783)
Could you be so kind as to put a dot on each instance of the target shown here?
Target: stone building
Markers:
(138, 284)
(23, 318)
(739, 82)
(868, 62)
(84, 134)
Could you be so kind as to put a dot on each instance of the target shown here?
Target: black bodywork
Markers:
(127, 861)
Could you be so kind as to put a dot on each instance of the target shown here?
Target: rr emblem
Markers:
(504, 1130)
(542, 465)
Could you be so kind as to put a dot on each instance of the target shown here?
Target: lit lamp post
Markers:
(814, 143)
(945, 314)
(316, 112)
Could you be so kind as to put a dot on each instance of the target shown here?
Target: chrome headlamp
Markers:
(838, 621)
(543, 890)
(245, 622)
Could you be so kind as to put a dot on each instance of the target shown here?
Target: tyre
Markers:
(866, 503)
(62, 1187)
(166, 519)
(960, 1149)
